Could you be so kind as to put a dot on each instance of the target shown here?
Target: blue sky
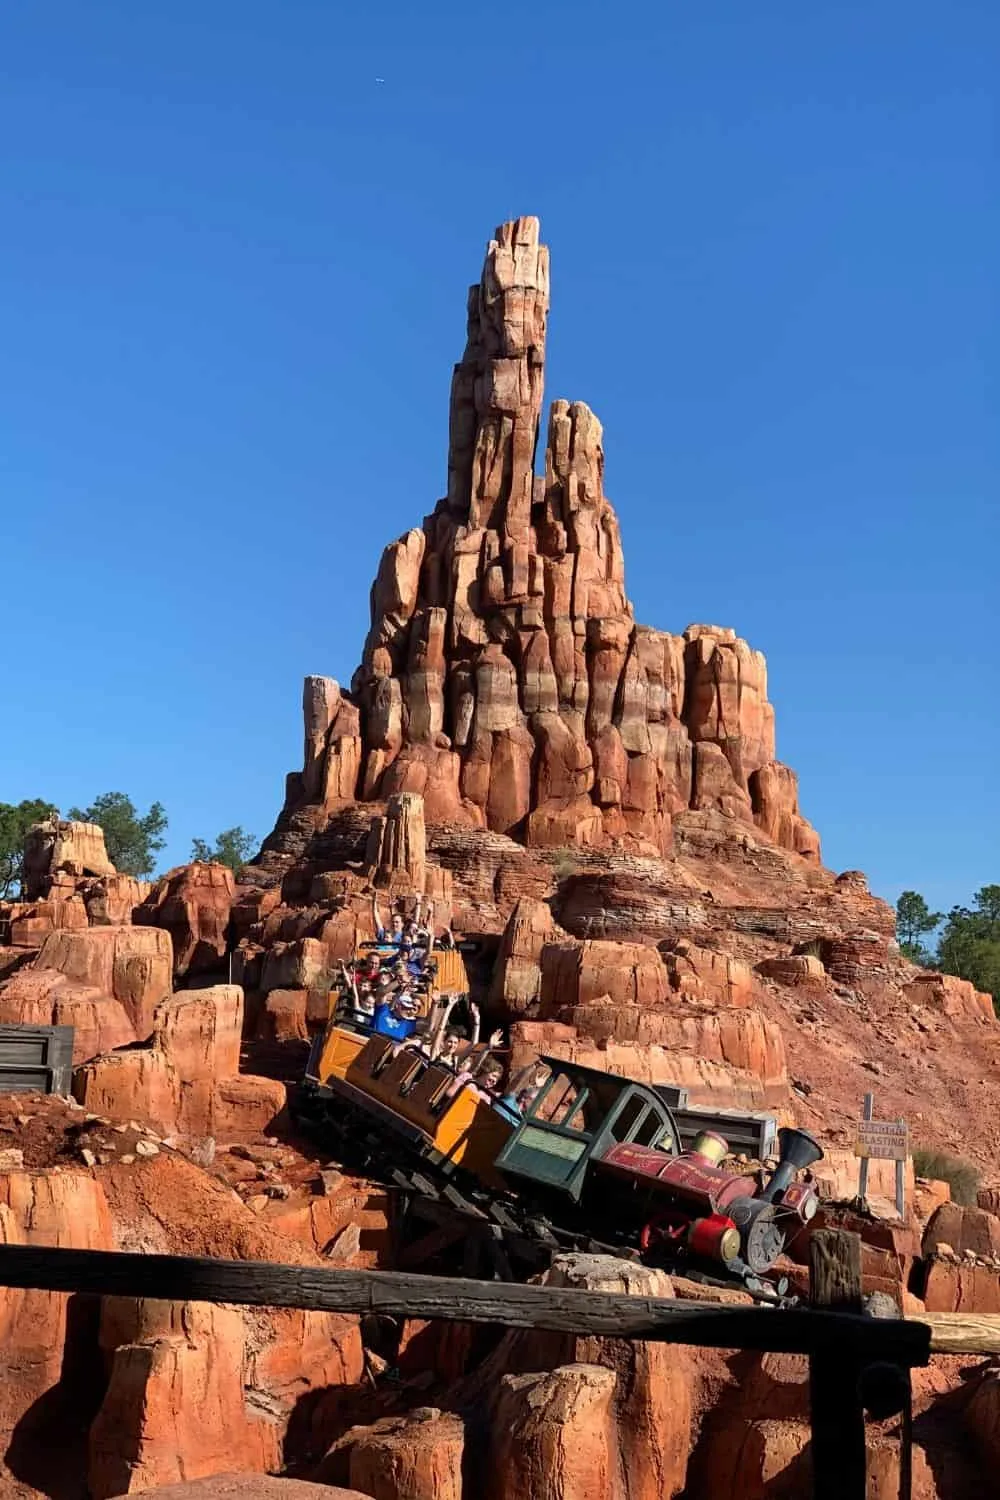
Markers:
(234, 269)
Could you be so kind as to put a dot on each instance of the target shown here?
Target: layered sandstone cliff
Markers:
(504, 676)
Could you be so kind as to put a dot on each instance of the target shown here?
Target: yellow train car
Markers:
(416, 1099)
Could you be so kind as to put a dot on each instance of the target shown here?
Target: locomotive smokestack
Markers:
(797, 1149)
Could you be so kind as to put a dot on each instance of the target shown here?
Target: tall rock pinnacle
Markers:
(504, 677)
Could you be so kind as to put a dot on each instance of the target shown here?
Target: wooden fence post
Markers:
(836, 1412)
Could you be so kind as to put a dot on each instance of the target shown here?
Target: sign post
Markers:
(867, 1113)
(882, 1140)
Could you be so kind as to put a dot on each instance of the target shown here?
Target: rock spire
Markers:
(504, 677)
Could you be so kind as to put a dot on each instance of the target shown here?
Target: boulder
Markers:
(798, 971)
(193, 903)
(961, 1286)
(964, 1229)
(401, 1458)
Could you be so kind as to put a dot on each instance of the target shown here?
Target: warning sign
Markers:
(882, 1140)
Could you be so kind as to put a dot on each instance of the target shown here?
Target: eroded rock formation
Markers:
(61, 847)
(504, 677)
(188, 1081)
(193, 903)
(104, 981)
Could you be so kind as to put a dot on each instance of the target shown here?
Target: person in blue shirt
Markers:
(396, 1018)
(389, 937)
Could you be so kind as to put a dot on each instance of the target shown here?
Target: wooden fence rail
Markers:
(856, 1362)
(563, 1309)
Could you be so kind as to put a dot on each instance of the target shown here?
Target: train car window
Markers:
(563, 1107)
(553, 1102)
(627, 1119)
(649, 1131)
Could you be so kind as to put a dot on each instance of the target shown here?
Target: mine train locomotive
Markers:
(596, 1160)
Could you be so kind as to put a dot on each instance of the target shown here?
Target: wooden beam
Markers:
(836, 1413)
(961, 1333)
(563, 1309)
(835, 1269)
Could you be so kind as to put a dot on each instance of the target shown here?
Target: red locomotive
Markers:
(598, 1149)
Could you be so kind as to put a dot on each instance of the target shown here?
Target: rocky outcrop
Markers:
(187, 1081)
(193, 903)
(955, 998)
(401, 1458)
(504, 677)
(517, 976)
(197, 1390)
(555, 1435)
(106, 982)
(111, 901)
(396, 856)
(687, 1016)
(586, 1417)
(62, 847)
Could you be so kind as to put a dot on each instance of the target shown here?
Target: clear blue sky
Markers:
(234, 269)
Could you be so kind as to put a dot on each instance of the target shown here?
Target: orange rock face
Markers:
(554, 1435)
(44, 997)
(186, 1081)
(197, 1390)
(131, 964)
(396, 855)
(517, 976)
(964, 1229)
(193, 904)
(43, 1335)
(956, 998)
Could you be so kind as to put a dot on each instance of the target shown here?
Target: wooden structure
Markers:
(857, 1363)
(35, 1059)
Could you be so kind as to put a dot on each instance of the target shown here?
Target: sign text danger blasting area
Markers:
(882, 1140)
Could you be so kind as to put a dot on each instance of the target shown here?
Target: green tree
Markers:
(233, 847)
(914, 920)
(15, 820)
(132, 842)
(970, 942)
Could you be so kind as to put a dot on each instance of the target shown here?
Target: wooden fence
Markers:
(857, 1363)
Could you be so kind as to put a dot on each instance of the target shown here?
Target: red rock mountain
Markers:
(504, 676)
